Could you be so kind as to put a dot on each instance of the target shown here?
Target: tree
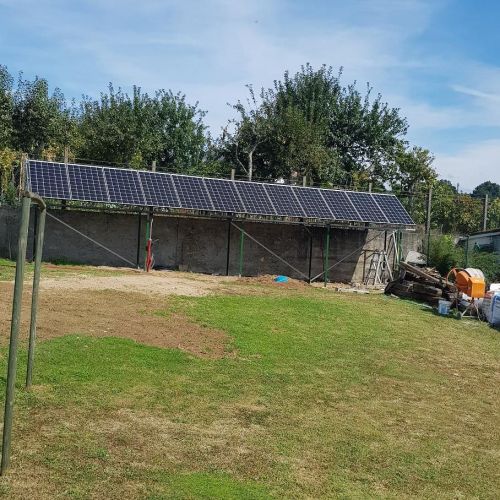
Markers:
(249, 132)
(492, 189)
(139, 129)
(309, 124)
(413, 171)
(39, 119)
(6, 106)
(494, 214)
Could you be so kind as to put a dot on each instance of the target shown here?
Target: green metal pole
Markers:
(148, 236)
(327, 253)
(242, 239)
(40, 230)
(14, 334)
(466, 252)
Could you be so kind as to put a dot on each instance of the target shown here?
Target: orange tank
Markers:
(473, 286)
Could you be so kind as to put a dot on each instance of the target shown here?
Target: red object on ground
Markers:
(149, 254)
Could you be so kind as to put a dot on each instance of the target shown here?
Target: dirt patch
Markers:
(127, 305)
(106, 313)
(156, 282)
(267, 279)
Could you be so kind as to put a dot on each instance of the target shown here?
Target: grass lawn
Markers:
(320, 395)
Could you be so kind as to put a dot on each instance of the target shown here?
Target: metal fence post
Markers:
(242, 239)
(14, 334)
(327, 253)
(228, 252)
(428, 221)
(485, 212)
(310, 255)
(40, 230)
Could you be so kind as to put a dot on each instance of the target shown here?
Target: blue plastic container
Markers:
(444, 307)
(281, 279)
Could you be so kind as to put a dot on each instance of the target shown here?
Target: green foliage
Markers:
(138, 129)
(455, 213)
(8, 160)
(492, 189)
(413, 172)
(488, 262)
(411, 176)
(494, 214)
(39, 119)
(309, 124)
(444, 254)
(6, 107)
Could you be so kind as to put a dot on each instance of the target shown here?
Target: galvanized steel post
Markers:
(14, 334)
(40, 230)
(326, 255)
(228, 252)
(242, 239)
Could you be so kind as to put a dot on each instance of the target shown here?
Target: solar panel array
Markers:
(162, 190)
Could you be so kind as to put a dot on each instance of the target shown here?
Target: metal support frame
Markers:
(139, 241)
(466, 252)
(326, 254)
(314, 278)
(428, 222)
(40, 234)
(35, 224)
(309, 274)
(245, 233)
(228, 254)
(16, 316)
(400, 246)
(149, 241)
(242, 241)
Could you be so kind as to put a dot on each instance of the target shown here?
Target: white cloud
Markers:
(476, 93)
(472, 165)
(210, 49)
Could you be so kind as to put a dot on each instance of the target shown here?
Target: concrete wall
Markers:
(200, 245)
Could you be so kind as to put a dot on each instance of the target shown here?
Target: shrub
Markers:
(444, 254)
(488, 262)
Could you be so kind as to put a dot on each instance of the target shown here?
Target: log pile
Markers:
(422, 284)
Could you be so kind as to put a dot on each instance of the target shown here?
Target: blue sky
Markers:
(439, 61)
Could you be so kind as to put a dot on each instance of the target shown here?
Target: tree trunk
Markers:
(250, 165)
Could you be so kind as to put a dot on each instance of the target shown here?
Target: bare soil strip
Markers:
(112, 312)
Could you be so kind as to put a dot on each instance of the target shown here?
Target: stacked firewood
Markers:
(422, 284)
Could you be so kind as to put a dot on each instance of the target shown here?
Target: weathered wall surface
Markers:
(201, 245)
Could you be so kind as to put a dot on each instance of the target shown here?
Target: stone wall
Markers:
(201, 245)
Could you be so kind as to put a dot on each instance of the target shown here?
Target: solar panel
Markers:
(340, 205)
(87, 183)
(366, 207)
(393, 209)
(49, 180)
(312, 202)
(124, 186)
(159, 190)
(155, 189)
(224, 196)
(255, 198)
(192, 192)
(284, 200)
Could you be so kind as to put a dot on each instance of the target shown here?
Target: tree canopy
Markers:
(492, 189)
(307, 124)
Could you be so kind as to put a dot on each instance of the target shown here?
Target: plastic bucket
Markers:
(444, 307)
